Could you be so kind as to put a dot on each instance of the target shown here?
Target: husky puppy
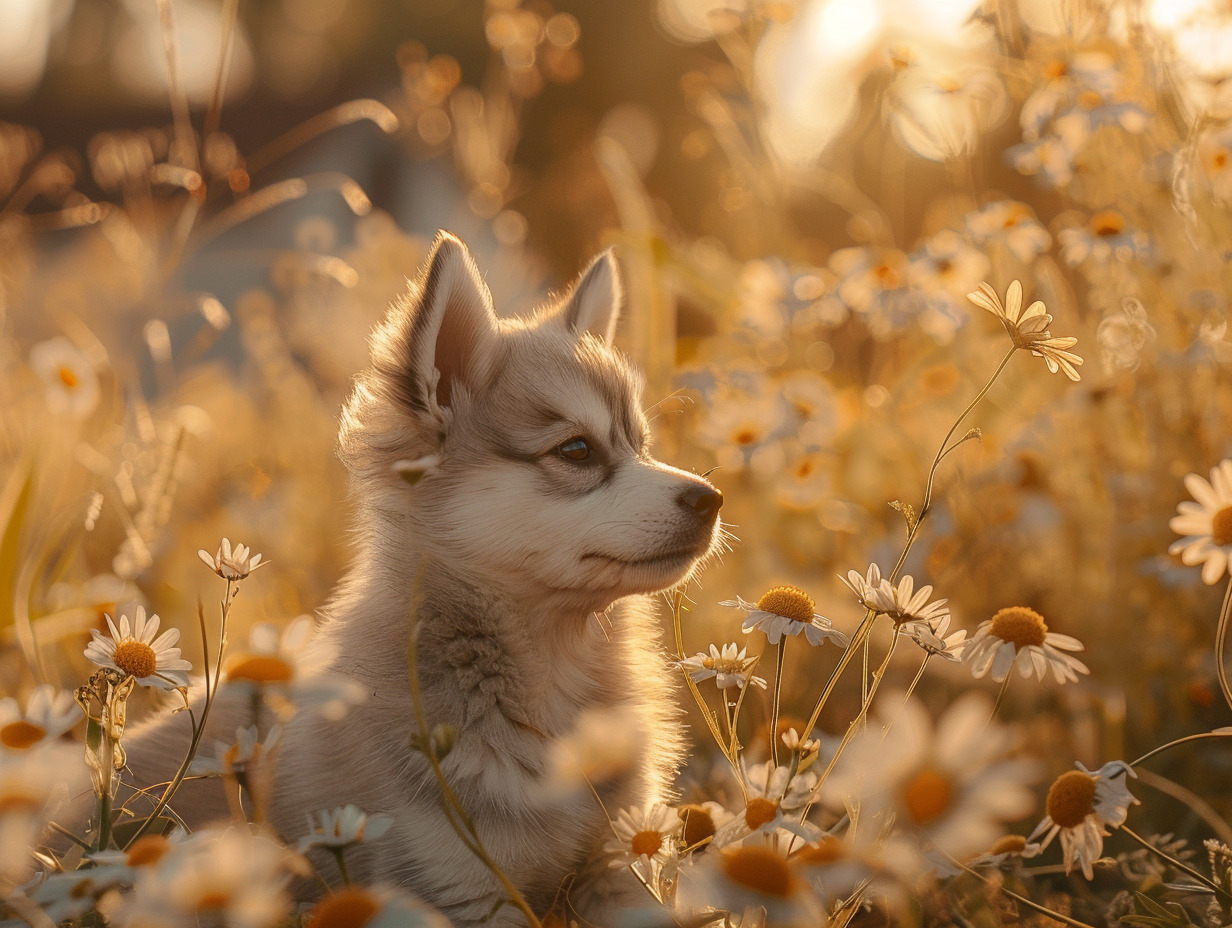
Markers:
(539, 513)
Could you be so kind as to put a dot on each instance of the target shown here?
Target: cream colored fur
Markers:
(532, 568)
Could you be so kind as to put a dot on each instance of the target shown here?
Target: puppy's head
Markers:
(536, 473)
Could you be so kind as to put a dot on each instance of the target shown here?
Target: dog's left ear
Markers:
(594, 304)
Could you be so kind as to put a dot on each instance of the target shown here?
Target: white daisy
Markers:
(235, 759)
(950, 786)
(32, 783)
(1013, 223)
(645, 835)
(865, 587)
(232, 877)
(1029, 329)
(1019, 630)
(343, 826)
(134, 650)
(786, 610)
(276, 664)
(934, 639)
(68, 375)
(755, 883)
(770, 794)
(729, 667)
(1081, 805)
(50, 712)
(231, 563)
(373, 907)
(903, 603)
(1206, 523)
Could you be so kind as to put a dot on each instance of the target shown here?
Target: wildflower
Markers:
(231, 877)
(748, 881)
(1003, 854)
(343, 826)
(1105, 236)
(229, 563)
(1029, 330)
(644, 835)
(939, 113)
(1012, 223)
(272, 662)
(807, 749)
(1206, 523)
(49, 714)
(31, 782)
(934, 640)
(362, 906)
(701, 822)
(729, 667)
(904, 604)
(951, 785)
(68, 375)
(1081, 805)
(600, 748)
(133, 650)
(865, 587)
(1014, 630)
(236, 759)
(770, 793)
(786, 610)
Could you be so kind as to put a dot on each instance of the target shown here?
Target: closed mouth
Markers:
(662, 558)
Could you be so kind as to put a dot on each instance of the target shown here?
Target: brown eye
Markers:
(576, 449)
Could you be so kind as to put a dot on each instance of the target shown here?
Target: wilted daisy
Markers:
(1029, 329)
(936, 639)
(1206, 523)
(644, 835)
(729, 667)
(133, 650)
(1017, 630)
(68, 375)
(903, 603)
(343, 826)
(232, 877)
(1081, 805)
(786, 610)
(50, 712)
(952, 785)
(231, 563)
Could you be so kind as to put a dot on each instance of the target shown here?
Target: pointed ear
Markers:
(453, 327)
(594, 305)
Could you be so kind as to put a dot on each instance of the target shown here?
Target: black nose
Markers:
(703, 499)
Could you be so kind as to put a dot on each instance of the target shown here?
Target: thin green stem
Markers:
(856, 642)
(1221, 638)
(1201, 736)
(780, 651)
(340, 856)
(907, 697)
(1023, 900)
(1176, 864)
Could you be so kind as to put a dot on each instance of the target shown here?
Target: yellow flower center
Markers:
(646, 843)
(927, 795)
(213, 900)
(136, 658)
(1071, 798)
(1089, 99)
(760, 869)
(745, 437)
(788, 601)
(1020, 625)
(827, 850)
(1009, 844)
(19, 735)
(19, 800)
(724, 664)
(698, 824)
(261, 668)
(1107, 223)
(147, 851)
(68, 378)
(1056, 69)
(347, 908)
(759, 811)
(1221, 527)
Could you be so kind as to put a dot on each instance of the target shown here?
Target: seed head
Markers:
(1071, 798)
(788, 601)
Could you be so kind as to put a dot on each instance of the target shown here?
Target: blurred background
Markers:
(204, 207)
